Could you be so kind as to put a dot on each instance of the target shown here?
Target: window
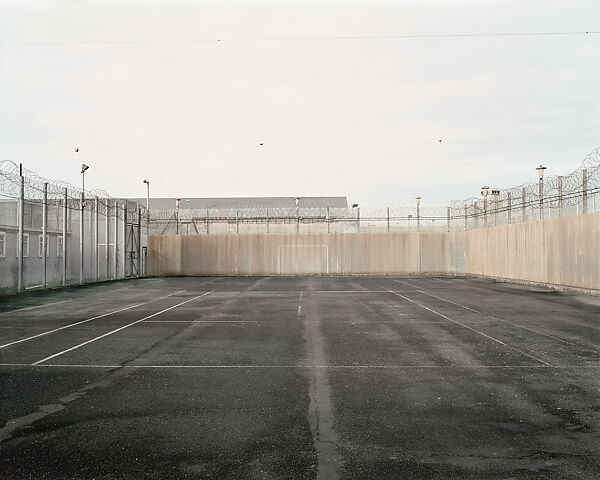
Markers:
(41, 246)
(2, 244)
(59, 246)
(25, 245)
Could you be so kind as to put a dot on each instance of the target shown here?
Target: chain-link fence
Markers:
(90, 236)
(53, 234)
(551, 197)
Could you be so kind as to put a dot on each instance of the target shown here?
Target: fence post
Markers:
(139, 242)
(96, 236)
(81, 218)
(20, 244)
(327, 220)
(523, 205)
(45, 235)
(485, 220)
(448, 218)
(509, 205)
(116, 236)
(495, 210)
(125, 239)
(466, 210)
(267, 221)
(388, 219)
(560, 196)
(107, 238)
(64, 252)
(237, 221)
(207, 229)
(584, 185)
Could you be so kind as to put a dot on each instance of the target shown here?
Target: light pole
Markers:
(177, 200)
(418, 199)
(298, 215)
(147, 182)
(540, 171)
(355, 205)
(84, 167)
(485, 191)
(409, 217)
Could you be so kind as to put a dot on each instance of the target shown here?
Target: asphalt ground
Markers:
(300, 378)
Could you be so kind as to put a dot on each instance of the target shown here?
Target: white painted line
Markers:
(382, 367)
(117, 330)
(85, 321)
(67, 326)
(200, 321)
(498, 318)
(37, 306)
(349, 291)
(472, 329)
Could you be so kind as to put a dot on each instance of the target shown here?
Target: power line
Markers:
(298, 38)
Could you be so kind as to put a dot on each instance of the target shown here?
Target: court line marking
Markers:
(493, 316)
(118, 329)
(201, 321)
(383, 367)
(87, 320)
(282, 321)
(472, 329)
(36, 306)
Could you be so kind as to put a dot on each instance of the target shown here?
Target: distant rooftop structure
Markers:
(244, 202)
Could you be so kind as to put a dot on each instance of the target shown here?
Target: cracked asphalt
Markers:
(300, 378)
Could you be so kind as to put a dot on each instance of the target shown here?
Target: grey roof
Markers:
(245, 202)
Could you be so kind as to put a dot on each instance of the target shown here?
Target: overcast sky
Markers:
(183, 93)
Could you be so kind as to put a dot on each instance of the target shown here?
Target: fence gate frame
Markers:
(133, 253)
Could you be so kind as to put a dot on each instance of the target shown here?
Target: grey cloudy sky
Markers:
(145, 89)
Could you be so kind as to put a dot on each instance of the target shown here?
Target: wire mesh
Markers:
(52, 233)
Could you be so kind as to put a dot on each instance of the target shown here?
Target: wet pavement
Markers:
(300, 378)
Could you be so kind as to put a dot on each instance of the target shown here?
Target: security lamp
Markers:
(354, 205)
(485, 191)
(540, 171)
(418, 199)
(147, 181)
(177, 200)
(84, 167)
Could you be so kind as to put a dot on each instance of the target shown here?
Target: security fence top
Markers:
(550, 192)
(61, 193)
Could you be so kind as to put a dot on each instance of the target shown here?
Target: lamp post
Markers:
(147, 182)
(418, 199)
(298, 215)
(355, 205)
(84, 167)
(485, 191)
(177, 200)
(540, 171)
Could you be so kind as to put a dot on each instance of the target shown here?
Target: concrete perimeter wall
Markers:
(562, 252)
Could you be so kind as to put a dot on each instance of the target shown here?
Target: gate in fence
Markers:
(133, 248)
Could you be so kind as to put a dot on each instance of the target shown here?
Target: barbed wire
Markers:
(516, 203)
(10, 187)
(552, 192)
